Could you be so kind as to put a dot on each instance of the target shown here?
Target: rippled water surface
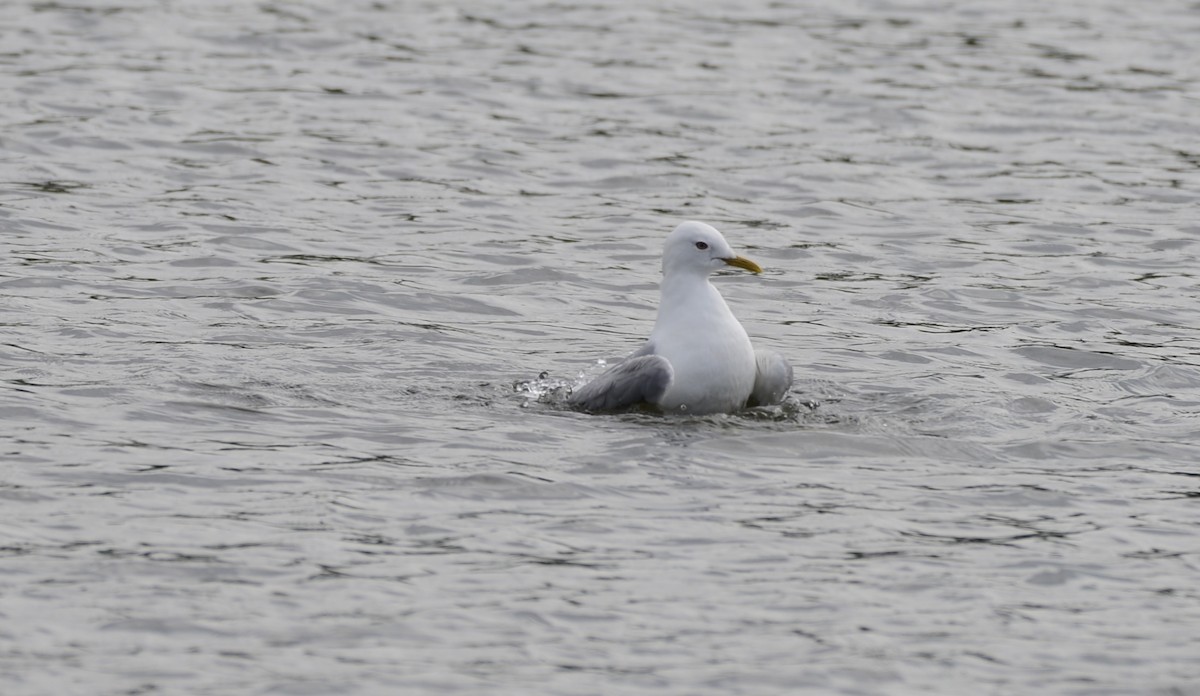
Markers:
(291, 294)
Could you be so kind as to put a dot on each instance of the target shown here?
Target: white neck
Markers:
(691, 298)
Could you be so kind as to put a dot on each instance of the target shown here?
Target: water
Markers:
(292, 293)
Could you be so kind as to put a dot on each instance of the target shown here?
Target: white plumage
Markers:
(698, 358)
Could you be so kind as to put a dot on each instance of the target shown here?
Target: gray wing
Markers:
(641, 379)
(772, 380)
(646, 349)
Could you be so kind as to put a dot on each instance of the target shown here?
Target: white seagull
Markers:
(698, 359)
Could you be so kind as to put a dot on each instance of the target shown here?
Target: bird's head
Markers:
(697, 248)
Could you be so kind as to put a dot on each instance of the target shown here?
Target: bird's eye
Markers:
(702, 245)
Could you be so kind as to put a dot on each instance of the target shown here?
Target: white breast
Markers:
(708, 349)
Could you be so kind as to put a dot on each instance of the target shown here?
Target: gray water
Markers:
(291, 294)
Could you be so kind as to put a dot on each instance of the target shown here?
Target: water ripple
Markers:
(291, 296)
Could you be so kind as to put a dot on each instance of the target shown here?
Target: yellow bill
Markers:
(743, 262)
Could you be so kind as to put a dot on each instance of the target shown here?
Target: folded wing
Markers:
(773, 379)
(642, 379)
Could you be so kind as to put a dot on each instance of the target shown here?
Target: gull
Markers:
(698, 359)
